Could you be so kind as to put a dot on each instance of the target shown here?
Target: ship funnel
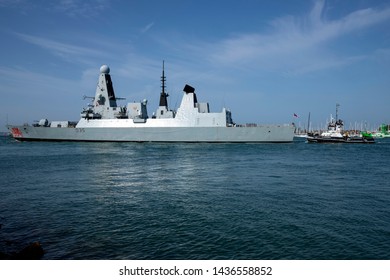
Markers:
(188, 89)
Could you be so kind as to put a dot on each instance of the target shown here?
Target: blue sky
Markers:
(264, 60)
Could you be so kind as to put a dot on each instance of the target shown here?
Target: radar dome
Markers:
(104, 69)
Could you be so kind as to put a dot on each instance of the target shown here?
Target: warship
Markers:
(103, 120)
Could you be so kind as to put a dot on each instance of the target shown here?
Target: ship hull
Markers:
(348, 140)
(261, 134)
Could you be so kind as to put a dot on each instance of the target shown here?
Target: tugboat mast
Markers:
(164, 95)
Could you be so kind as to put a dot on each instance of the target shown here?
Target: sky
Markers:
(263, 60)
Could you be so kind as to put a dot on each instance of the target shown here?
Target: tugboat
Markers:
(335, 134)
(105, 120)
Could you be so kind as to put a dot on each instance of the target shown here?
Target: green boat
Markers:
(366, 134)
(382, 132)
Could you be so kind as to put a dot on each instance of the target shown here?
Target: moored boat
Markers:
(383, 132)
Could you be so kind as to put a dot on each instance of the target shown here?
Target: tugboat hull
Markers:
(350, 140)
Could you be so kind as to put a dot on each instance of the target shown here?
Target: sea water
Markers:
(196, 201)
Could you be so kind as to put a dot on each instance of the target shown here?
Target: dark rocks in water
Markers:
(33, 251)
(3, 256)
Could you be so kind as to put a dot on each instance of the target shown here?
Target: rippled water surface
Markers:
(196, 201)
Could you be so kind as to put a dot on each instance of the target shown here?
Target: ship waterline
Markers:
(270, 134)
(104, 120)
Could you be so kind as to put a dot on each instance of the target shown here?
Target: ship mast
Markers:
(164, 95)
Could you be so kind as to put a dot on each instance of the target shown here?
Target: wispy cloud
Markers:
(296, 42)
(57, 47)
(14, 80)
(71, 8)
(147, 27)
(84, 8)
(10, 3)
(42, 90)
(67, 52)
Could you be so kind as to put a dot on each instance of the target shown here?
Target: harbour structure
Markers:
(105, 120)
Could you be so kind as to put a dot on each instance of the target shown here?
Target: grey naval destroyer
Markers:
(104, 120)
